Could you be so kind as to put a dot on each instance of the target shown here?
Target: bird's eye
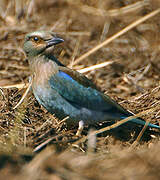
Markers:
(36, 39)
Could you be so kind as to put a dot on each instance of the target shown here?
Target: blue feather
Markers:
(139, 121)
(64, 75)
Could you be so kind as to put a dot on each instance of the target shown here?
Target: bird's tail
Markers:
(139, 121)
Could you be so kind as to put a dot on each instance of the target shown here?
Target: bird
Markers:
(65, 92)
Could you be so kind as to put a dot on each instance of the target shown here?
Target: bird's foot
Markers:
(80, 128)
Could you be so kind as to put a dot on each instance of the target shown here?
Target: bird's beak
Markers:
(54, 41)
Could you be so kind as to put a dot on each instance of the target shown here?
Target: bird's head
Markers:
(40, 42)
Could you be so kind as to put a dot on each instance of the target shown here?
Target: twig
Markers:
(19, 86)
(75, 33)
(25, 136)
(139, 136)
(24, 95)
(105, 30)
(30, 8)
(94, 67)
(59, 136)
(75, 52)
(114, 12)
(120, 33)
(1, 93)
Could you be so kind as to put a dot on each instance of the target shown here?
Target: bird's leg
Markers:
(92, 140)
(80, 128)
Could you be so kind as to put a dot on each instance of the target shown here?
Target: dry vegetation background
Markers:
(132, 80)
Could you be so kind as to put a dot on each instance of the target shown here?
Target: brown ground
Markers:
(132, 80)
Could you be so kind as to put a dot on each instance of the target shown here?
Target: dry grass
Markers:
(116, 44)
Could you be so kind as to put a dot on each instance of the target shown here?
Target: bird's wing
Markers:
(81, 92)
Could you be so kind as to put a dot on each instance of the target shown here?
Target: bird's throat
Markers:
(42, 71)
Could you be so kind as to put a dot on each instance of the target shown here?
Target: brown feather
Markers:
(80, 78)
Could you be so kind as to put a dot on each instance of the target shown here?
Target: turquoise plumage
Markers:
(65, 92)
